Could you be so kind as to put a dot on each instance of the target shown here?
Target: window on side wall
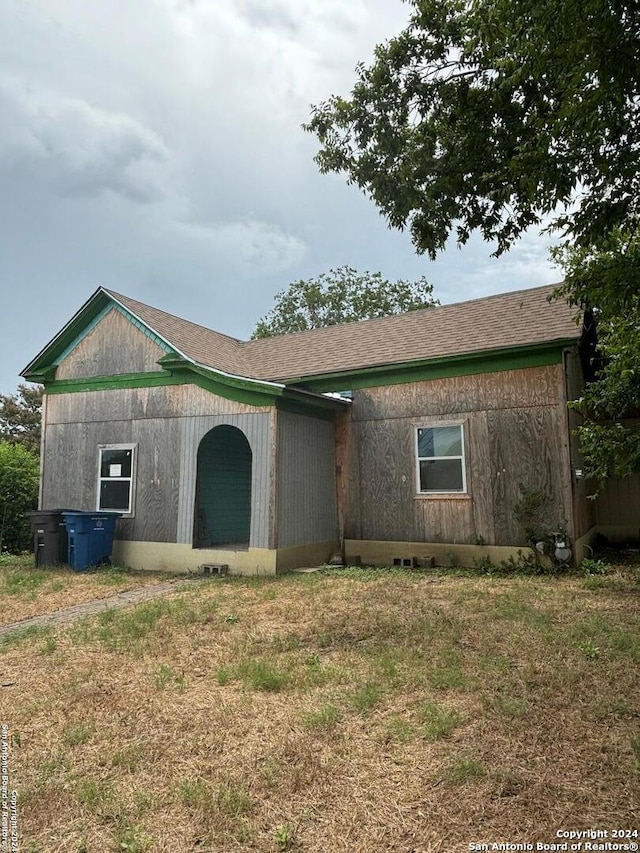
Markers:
(116, 477)
(440, 462)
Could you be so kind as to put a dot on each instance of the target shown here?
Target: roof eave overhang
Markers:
(484, 361)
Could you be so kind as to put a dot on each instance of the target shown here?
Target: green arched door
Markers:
(223, 490)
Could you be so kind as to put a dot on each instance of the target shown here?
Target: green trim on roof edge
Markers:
(85, 319)
(491, 361)
(231, 388)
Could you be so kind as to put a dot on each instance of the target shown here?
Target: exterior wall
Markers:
(618, 509)
(584, 516)
(515, 437)
(174, 557)
(256, 427)
(305, 483)
(167, 424)
(112, 347)
(372, 553)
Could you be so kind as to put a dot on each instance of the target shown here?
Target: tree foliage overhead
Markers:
(341, 296)
(606, 279)
(20, 416)
(490, 115)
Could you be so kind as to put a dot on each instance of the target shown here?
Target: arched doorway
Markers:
(223, 490)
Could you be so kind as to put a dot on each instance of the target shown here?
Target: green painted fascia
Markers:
(111, 383)
(490, 361)
(154, 380)
(86, 319)
(185, 373)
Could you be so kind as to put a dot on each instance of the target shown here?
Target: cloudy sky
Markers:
(155, 147)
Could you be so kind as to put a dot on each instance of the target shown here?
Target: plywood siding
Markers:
(507, 389)
(166, 424)
(165, 401)
(112, 347)
(584, 516)
(515, 439)
(618, 505)
(306, 485)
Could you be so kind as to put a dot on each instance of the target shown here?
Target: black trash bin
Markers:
(50, 541)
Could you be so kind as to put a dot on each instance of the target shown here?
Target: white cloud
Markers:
(252, 245)
(79, 149)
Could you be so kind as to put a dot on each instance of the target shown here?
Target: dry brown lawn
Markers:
(349, 712)
(26, 591)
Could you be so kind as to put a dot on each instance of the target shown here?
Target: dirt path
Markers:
(90, 608)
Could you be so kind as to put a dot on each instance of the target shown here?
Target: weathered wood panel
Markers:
(444, 520)
(166, 471)
(533, 386)
(618, 503)
(584, 517)
(390, 507)
(165, 401)
(527, 458)
(480, 485)
(256, 428)
(515, 438)
(158, 476)
(306, 488)
(387, 480)
(70, 473)
(342, 440)
(114, 346)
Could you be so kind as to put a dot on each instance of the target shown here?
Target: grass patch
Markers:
(23, 582)
(195, 793)
(398, 730)
(366, 697)
(23, 635)
(330, 710)
(77, 734)
(462, 770)
(233, 799)
(325, 718)
(166, 677)
(435, 721)
(260, 674)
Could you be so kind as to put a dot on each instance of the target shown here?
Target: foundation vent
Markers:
(219, 569)
(403, 561)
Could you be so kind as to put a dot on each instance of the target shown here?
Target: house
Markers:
(423, 434)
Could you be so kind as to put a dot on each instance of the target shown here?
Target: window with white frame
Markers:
(440, 464)
(116, 473)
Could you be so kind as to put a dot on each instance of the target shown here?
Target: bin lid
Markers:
(95, 513)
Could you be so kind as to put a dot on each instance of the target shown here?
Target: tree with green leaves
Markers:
(341, 296)
(491, 115)
(606, 278)
(18, 494)
(20, 416)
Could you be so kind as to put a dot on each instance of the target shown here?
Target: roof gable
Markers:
(111, 346)
(479, 328)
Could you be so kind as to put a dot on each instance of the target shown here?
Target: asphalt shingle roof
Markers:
(515, 319)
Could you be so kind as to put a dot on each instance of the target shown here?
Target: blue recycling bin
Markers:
(90, 536)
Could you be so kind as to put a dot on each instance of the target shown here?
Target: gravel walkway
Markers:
(90, 608)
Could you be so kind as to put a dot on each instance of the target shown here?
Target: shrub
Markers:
(18, 494)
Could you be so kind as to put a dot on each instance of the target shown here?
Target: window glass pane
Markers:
(440, 441)
(114, 494)
(116, 463)
(441, 475)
